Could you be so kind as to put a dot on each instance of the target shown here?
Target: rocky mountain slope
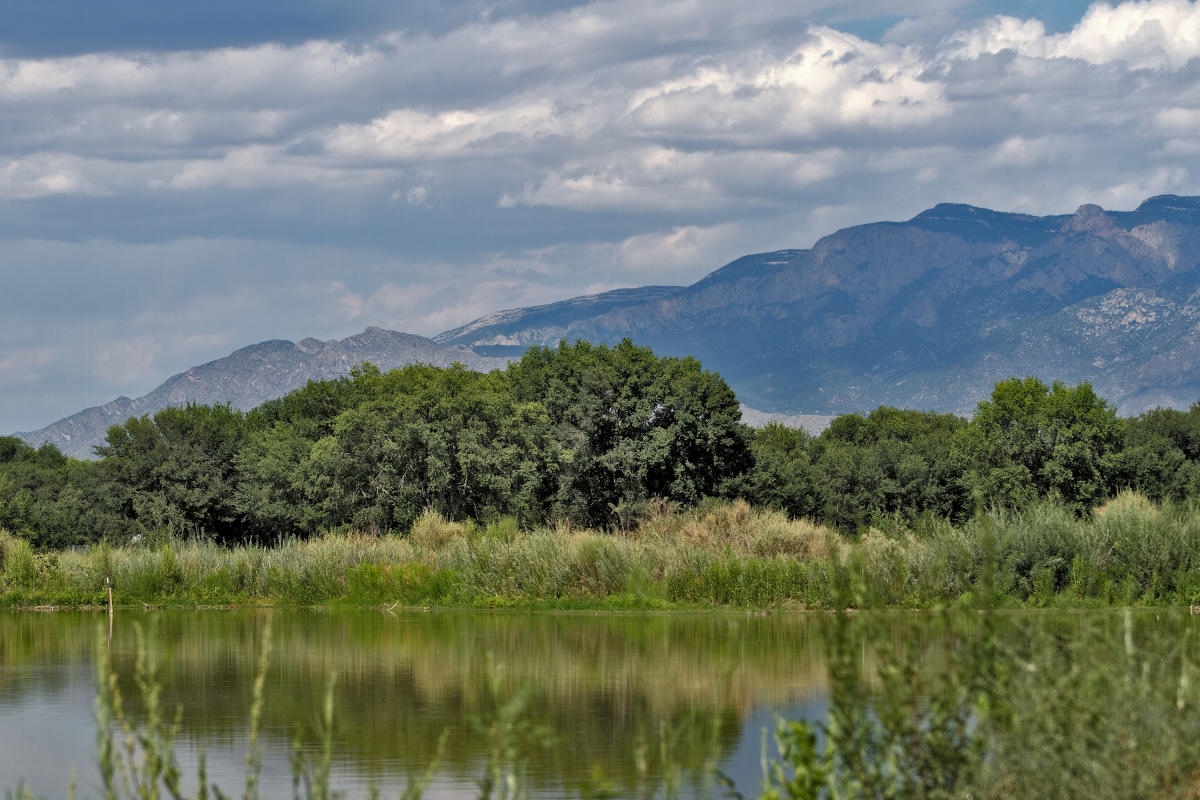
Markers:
(254, 374)
(927, 313)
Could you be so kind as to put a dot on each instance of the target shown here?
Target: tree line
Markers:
(586, 434)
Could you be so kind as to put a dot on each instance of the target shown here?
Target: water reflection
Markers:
(604, 682)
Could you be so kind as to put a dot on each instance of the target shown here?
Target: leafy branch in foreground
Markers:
(922, 736)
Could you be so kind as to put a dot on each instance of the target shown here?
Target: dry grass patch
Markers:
(739, 528)
(1131, 503)
(433, 531)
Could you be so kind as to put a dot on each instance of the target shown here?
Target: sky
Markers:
(178, 180)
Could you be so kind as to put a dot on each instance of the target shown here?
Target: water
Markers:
(602, 682)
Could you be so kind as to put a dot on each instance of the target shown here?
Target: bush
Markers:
(20, 564)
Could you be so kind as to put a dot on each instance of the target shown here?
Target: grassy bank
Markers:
(1131, 551)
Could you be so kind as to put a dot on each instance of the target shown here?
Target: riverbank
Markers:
(1130, 552)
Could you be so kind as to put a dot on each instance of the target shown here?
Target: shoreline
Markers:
(599, 607)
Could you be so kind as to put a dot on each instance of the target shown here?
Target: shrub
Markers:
(432, 530)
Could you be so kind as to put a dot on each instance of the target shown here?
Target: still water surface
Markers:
(603, 683)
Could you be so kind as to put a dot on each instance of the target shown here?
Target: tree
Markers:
(1157, 469)
(782, 473)
(1030, 441)
(271, 494)
(312, 409)
(13, 449)
(1181, 429)
(178, 469)
(54, 501)
(895, 462)
(447, 439)
(1161, 458)
(636, 426)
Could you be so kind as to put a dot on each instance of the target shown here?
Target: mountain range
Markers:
(927, 313)
(249, 376)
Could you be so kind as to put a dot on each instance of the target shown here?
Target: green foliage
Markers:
(782, 476)
(1094, 712)
(1160, 459)
(272, 494)
(53, 501)
(594, 436)
(634, 426)
(178, 469)
(1180, 429)
(1030, 441)
(887, 463)
(923, 738)
(18, 562)
(450, 440)
(1131, 551)
(583, 433)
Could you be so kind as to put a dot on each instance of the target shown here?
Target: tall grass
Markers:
(1107, 712)
(1130, 551)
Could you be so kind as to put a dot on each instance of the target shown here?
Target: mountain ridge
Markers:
(927, 312)
(254, 374)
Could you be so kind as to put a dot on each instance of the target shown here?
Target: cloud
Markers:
(436, 305)
(259, 167)
(41, 174)
(408, 134)
(644, 102)
(126, 360)
(25, 366)
(832, 81)
(338, 304)
(662, 177)
(162, 207)
(1142, 34)
(661, 255)
(205, 341)
(416, 196)
(1025, 152)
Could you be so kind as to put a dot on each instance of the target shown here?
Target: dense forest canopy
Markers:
(581, 433)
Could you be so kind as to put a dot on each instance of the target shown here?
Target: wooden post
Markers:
(108, 585)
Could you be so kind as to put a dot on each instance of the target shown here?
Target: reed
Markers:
(1131, 551)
